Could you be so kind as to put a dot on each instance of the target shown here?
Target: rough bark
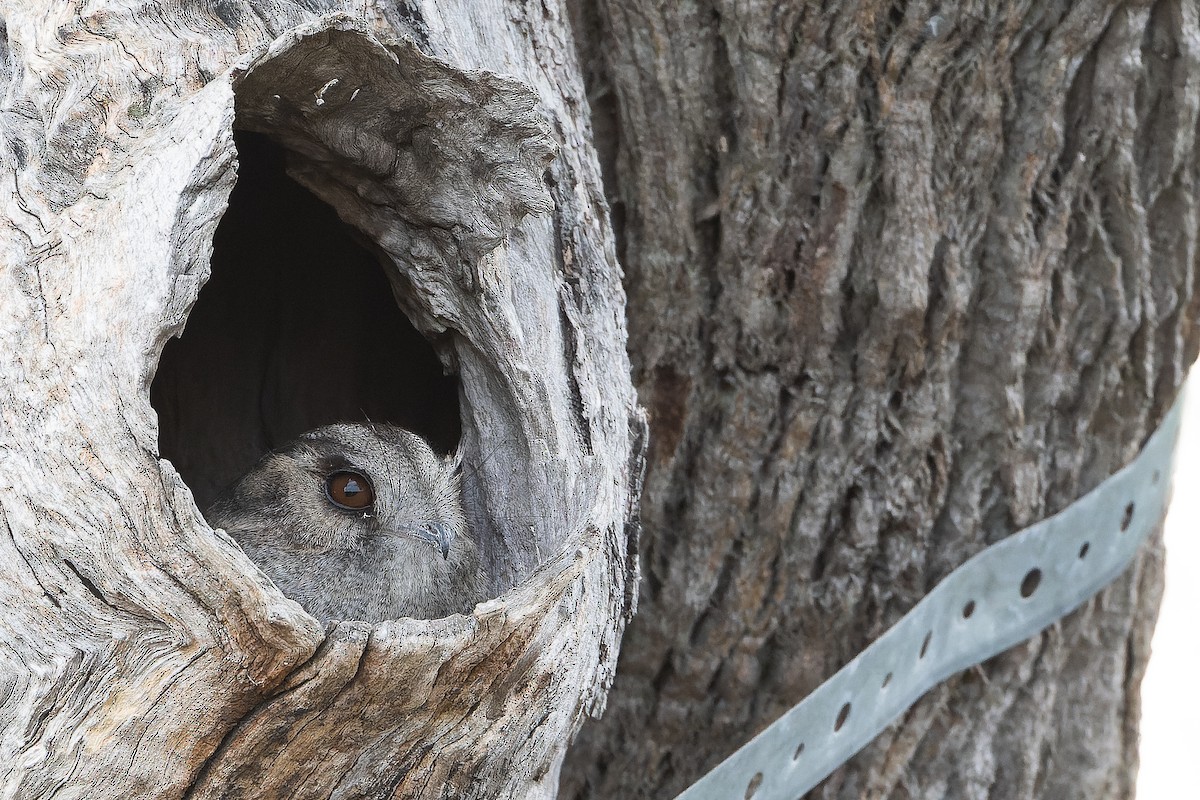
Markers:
(903, 278)
(141, 653)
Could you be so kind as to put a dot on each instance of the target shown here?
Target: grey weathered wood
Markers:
(903, 278)
(142, 654)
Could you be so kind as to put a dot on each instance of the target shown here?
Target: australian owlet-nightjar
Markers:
(357, 522)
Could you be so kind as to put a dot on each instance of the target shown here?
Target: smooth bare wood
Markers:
(141, 653)
(903, 278)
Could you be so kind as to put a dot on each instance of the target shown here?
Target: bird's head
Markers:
(348, 487)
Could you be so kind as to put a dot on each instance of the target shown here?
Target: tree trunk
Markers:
(903, 278)
(141, 653)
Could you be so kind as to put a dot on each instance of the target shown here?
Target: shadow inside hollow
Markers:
(296, 328)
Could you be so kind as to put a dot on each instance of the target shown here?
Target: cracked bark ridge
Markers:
(143, 655)
(932, 276)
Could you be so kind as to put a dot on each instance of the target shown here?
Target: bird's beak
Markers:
(438, 534)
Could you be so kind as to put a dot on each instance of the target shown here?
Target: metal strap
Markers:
(1000, 597)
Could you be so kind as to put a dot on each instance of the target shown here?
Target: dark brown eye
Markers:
(349, 490)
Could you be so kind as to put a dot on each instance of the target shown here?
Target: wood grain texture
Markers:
(903, 278)
(142, 654)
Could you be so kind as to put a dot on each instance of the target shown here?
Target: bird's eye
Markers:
(349, 490)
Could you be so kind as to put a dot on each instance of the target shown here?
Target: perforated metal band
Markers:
(1001, 596)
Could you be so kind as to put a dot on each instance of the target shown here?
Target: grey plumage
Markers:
(406, 554)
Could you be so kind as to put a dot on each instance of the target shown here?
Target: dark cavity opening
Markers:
(296, 328)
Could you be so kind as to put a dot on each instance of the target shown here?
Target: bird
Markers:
(357, 521)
